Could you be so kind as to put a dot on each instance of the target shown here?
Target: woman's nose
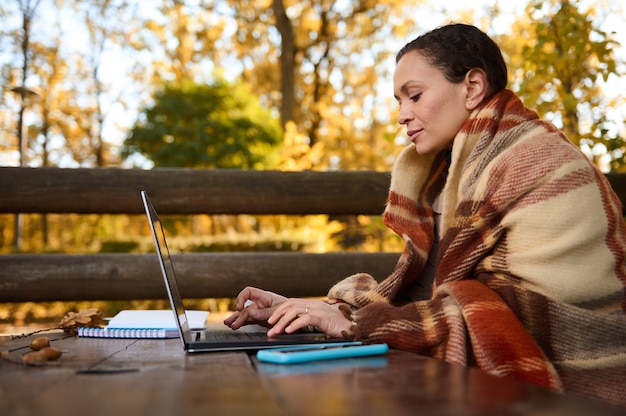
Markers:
(404, 116)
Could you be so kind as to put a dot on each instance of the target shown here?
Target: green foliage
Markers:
(240, 246)
(563, 66)
(118, 246)
(333, 56)
(221, 125)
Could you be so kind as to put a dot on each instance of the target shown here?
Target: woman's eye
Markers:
(415, 97)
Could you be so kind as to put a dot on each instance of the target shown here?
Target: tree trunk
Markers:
(287, 58)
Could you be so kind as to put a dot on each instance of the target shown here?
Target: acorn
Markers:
(50, 353)
(34, 358)
(38, 343)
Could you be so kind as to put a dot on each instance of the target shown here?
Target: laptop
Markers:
(209, 340)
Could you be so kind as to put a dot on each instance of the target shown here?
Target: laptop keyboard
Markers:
(221, 336)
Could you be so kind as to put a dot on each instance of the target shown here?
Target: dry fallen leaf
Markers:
(83, 318)
(41, 351)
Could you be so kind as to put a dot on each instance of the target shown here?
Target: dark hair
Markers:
(458, 48)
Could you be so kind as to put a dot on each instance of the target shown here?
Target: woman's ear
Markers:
(476, 83)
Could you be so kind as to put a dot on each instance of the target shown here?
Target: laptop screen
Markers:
(167, 268)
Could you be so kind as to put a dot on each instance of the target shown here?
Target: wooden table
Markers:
(155, 377)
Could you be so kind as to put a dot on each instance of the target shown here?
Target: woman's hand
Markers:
(254, 306)
(295, 314)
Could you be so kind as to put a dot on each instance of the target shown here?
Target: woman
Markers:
(515, 242)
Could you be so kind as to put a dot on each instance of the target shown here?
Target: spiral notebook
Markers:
(127, 332)
(144, 324)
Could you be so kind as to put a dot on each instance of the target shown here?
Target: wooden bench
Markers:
(51, 277)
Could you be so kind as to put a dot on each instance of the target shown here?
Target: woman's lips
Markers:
(413, 134)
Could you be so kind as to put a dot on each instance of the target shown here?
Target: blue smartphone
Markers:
(331, 351)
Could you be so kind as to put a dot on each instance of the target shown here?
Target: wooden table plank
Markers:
(402, 383)
(155, 377)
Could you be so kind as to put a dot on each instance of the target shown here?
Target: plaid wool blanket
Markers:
(531, 271)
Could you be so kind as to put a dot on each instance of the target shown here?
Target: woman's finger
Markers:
(288, 317)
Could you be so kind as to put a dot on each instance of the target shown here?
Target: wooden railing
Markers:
(48, 277)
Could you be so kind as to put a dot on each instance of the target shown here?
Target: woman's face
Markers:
(432, 108)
